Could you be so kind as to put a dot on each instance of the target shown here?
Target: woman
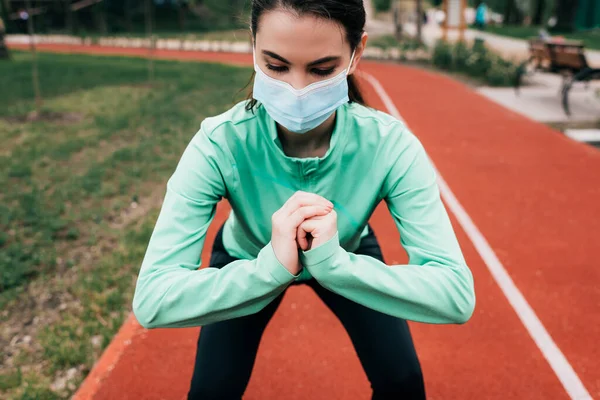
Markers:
(303, 164)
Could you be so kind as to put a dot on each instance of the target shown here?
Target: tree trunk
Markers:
(512, 14)
(419, 21)
(68, 16)
(565, 13)
(148, 12)
(100, 17)
(3, 49)
(508, 11)
(35, 77)
(397, 24)
(539, 12)
(181, 11)
(128, 15)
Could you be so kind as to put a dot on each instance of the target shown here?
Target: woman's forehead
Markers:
(300, 39)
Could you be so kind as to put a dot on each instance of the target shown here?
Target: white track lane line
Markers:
(563, 370)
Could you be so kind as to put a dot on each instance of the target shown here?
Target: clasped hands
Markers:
(304, 222)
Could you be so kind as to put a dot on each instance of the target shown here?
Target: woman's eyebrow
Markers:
(275, 56)
(311, 64)
(324, 60)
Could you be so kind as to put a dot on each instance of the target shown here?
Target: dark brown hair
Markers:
(348, 13)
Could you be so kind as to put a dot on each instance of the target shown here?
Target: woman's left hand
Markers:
(315, 231)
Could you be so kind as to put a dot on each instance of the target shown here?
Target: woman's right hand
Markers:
(285, 222)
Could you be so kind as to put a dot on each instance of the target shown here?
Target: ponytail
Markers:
(354, 92)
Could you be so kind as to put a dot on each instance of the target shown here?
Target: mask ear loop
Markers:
(351, 61)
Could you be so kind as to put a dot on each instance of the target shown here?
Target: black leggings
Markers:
(227, 349)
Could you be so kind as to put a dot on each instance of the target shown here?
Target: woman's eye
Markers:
(323, 72)
(277, 68)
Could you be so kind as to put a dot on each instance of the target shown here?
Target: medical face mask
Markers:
(299, 111)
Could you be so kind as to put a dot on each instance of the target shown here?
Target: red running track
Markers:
(534, 196)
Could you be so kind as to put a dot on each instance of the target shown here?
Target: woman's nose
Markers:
(299, 80)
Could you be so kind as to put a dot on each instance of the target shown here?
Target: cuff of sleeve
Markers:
(276, 269)
(323, 252)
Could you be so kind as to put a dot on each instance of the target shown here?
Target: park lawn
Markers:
(81, 191)
(591, 39)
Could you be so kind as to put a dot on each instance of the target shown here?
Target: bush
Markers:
(501, 73)
(480, 60)
(382, 5)
(497, 76)
(479, 45)
(461, 54)
(479, 63)
(442, 55)
(476, 61)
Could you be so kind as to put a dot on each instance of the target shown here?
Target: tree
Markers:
(69, 16)
(397, 23)
(565, 15)
(3, 49)
(100, 17)
(512, 13)
(419, 21)
(539, 12)
(35, 77)
(181, 12)
(148, 12)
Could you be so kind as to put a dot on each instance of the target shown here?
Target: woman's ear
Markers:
(359, 52)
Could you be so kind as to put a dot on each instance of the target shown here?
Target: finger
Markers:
(310, 225)
(302, 199)
(301, 238)
(319, 217)
(304, 213)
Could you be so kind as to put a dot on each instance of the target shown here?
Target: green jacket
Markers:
(237, 155)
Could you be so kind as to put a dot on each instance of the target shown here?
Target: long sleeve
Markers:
(436, 286)
(170, 290)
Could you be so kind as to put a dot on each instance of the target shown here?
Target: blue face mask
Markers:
(300, 111)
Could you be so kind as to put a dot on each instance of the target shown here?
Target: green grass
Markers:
(65, 182)
(591, 39)
(127, 134)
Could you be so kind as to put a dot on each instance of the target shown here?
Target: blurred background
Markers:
(88, 142)
(125, 16)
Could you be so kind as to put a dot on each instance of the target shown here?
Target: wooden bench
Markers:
(539, 54)
(566, 58)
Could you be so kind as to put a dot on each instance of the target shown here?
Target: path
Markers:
(529, 226)
(508, 46)
(374, 26)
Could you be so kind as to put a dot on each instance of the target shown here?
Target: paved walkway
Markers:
(509, 47)
(541, 99)
(524, 204)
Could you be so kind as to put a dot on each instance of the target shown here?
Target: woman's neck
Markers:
(314, 143)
